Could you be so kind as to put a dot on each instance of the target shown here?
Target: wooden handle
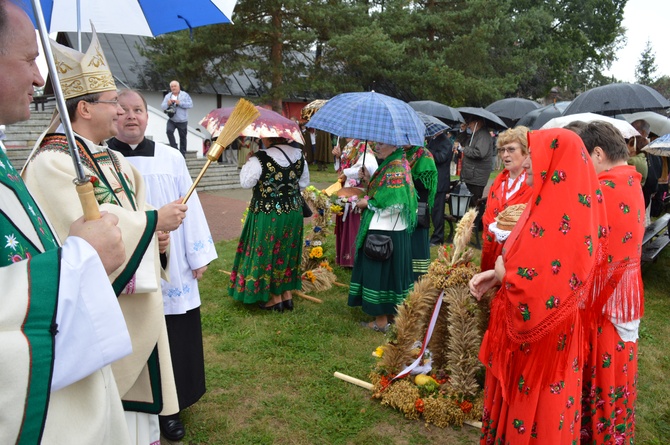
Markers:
(197, 180)
(88, 202)
(306, 297)
(354, 380)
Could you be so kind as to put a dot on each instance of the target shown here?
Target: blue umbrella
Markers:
(133, 17)
(433, 124)
(106, 13)
(370, 116)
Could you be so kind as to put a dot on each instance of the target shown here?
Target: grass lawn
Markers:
(270, 375)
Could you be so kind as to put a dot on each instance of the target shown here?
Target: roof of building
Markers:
(128, 66)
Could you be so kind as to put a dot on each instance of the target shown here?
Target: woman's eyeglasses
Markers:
(510, 150)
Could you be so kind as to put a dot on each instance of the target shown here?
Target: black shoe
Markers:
(288, 305)
(279, 307)
(171, 427)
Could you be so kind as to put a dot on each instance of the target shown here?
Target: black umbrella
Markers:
(512, 109)
(618, 98)
(445, 113)
(491, 119)
(536, 118)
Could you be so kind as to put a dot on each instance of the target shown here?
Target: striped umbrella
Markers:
(370, 116)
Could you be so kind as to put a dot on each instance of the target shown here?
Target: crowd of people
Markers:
(566, 279)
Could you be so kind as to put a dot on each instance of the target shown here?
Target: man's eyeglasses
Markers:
(509, 150)
(112, 102)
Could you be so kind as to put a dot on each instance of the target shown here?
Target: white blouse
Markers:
(252, 170)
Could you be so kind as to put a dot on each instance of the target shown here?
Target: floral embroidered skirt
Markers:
(420, 252)
(268, 257)
(379, 286)
(610, 389)
(345, 238)
(548, 415)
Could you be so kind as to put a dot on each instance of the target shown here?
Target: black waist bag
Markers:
(378, 247)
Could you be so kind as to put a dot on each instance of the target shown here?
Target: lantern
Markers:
(459, 200)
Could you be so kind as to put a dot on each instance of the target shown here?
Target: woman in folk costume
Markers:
(610, 375)
(424, 177)
(144, 379)
(389, 210)
(508, 188)
(248, 145)
(267, 263)
(534, 347)
(348, 222)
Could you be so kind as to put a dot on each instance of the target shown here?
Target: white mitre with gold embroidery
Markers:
(82, 73)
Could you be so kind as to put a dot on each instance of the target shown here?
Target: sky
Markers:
(644, 20)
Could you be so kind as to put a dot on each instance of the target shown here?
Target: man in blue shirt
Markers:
(176, 104)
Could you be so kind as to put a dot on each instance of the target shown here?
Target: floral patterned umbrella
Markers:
(268, 125)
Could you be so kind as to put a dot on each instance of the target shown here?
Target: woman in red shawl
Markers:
(534, 347)
(610, 374)
(508, 188)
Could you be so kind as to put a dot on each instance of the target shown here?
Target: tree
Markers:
(646, 66)
(459, 52)
(662, 85)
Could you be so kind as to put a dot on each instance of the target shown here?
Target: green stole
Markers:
(391, 185)
(39, 325)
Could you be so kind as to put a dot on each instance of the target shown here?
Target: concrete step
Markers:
(21, 137)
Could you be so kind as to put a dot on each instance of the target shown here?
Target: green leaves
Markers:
(457, 52)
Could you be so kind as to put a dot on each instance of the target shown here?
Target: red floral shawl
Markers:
(622, 297)
(495, 204)
(551, 258)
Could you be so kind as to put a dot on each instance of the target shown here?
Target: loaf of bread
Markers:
(506, 220)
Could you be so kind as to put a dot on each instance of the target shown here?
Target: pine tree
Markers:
(646, 67)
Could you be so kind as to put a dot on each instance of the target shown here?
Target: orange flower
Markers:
(419, 405)
(466, 406)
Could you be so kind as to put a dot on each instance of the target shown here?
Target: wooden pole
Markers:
(306, 297)
(355, 381)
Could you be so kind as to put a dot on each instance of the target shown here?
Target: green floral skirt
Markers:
(268, 257)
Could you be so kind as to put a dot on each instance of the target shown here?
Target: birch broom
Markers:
(242, 116)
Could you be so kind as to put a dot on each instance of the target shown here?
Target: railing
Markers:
(44, 102)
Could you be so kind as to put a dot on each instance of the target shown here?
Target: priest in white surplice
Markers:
(191, 249)
(144, 379)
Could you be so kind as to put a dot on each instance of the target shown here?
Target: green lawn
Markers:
(270, 375)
